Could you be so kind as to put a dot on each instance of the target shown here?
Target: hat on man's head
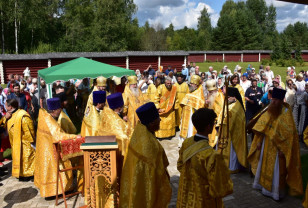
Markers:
(245, 75)
(101, 81)
(117, 80)
(183, 65)
(147, 113)
(53, 103)
(211, 85)
(132, 80)
(115, 100)
(61, 96)
(278, 93)
(99, 97)
(195, 79)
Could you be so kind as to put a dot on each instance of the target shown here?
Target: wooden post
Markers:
(127, 62)
(49, 63)
(1, 72)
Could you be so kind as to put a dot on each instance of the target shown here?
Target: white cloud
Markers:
(186, 12)
(288, 13)
(179, 13)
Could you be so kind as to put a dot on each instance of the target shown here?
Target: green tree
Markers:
(270, 32)
(227, 35)
(204, 38)
(249, 31)
(259, 10)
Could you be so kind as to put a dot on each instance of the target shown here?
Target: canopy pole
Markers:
(39, 90)
(49, 90)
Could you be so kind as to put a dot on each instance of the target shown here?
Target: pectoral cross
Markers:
(187, 101)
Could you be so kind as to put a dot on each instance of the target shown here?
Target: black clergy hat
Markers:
(278, 93)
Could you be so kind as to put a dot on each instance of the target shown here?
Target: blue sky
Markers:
(186, 12)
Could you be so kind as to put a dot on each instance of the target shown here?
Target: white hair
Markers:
(168, 79)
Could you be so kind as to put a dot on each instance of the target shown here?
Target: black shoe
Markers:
(26, 179)
(2, 173)
(3, 168)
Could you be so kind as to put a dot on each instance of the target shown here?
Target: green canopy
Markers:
(80, 68)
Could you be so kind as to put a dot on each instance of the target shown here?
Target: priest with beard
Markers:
(166, 102)
(133, 99)
(235, 152)
(215, 101)
(145, 182)
(49, 131)
(274, 154)
(190, 103)
(182, 89)
(114, 123)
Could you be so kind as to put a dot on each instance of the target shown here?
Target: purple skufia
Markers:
(147, 113)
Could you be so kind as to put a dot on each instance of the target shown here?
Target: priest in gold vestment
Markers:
(166, 102)
(235, 154)
(115, 123)
(204, 176)
(305, 202)
(93, 118)
(145, 182)
(21, 133)
(133, 98)
(151, 92)
(191, 102)
(101, 84)
(274, 154)
(215, 101)
(50, 131)
(181, 89)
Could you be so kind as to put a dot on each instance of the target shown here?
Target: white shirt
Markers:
(27, 72)
(300, 87)
(144, 86)
(245, 85)
(270, 75)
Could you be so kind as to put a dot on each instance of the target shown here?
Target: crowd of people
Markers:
(213, 111)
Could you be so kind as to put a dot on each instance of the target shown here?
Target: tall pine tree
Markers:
(204, 31)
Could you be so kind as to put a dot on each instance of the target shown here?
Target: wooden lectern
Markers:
(100, 171)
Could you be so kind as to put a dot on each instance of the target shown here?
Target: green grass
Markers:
(231, 65)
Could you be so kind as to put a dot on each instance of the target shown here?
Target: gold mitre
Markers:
(195, 79)
(117, 80)
(211, 85)
(101, 81)
(132, 80)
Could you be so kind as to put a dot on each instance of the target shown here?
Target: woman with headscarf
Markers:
(290, 95)
(281, 84)
(138, 74)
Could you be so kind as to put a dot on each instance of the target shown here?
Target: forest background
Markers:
(41, 26)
